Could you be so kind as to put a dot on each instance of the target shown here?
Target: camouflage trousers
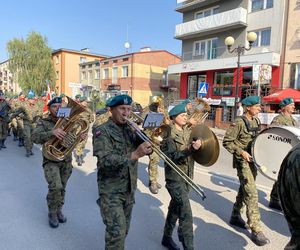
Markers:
(116, 210)
(3, 129)
(247, 195)
(180, 209)
(153, 167)
(27, 131)
(57, 175)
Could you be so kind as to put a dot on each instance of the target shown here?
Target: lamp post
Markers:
(229, 41)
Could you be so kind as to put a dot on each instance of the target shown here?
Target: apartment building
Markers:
(140, 74)
(67, 68)
(206, 59)
(89, 74)
(7, 83)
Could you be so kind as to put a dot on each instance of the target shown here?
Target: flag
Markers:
(48, 95)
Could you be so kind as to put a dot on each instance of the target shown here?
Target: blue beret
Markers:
(250, 100)
(178, 109)
(56, 99)
(119, 100)
(186, 101)
(62, 95)
(286, 101)
(83, 98)
(30, 96)
(53, 95)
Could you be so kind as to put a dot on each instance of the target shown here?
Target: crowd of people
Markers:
(118, 148)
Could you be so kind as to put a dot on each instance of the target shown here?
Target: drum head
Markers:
(270, 148)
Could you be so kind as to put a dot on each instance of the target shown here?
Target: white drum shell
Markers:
(271, 146)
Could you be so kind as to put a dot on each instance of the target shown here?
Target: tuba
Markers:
(74, 125)
(200, 112)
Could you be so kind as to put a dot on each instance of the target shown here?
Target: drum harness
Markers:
(253, 131)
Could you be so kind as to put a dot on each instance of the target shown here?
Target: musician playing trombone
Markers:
(117, 149)
(237, 141)
(177, 147)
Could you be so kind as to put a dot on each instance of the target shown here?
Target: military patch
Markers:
(98, 132)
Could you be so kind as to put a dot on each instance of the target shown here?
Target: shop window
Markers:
(223, 83)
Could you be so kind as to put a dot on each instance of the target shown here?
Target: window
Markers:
(97, 74)
(223, 83)
(206, 49)
(105, 73)
(263, 38)
(114, 75)
(82, 59)
(57, 59)
(57, 75)
(207, 12)
(124, 71)
(83, 75)
(105, 63)
(115, 61)
(125, 59)
(261, 4)
(295, 75)
(90, 76)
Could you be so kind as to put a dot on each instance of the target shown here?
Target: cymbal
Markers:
(209, 151)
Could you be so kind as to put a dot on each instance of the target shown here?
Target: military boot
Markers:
(8, 132)
(27, 153)
(31, 153)
(169, 243)
(153, 187)
(21, 142)
(15, 137)
(53, 220)
(275, 204)
(237, 220)
(3, 145)
(61, 218)
(259, 238)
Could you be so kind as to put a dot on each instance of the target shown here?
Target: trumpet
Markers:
(163, 156)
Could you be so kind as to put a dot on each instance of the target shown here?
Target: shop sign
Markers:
(229, 101)
(212, 101)
(113, 87)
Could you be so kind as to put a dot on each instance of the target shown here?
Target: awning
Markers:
(278, 96)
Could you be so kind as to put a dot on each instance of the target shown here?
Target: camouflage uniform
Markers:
(289, 193)
(117, 179)
(238, 138)
(4, 120)
(56, 173)
(175, 147)
(281, 120)
(88, 116)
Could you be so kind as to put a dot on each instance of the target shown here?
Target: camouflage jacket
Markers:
(239, 136)
(283, 120)
(101, 119)
(43, 132)
(113, 145)
(175, 146)
(29, 113)
(4, 111)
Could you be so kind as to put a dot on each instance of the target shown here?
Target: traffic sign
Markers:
(203, 88)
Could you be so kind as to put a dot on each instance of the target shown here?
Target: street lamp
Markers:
(229, 41)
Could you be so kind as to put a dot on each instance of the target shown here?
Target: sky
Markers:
(102, 26)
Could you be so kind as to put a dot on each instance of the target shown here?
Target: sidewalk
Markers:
(219, 132)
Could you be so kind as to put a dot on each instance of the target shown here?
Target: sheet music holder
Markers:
(153, 120)
(63, 112)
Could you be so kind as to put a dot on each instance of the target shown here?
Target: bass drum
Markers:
(271, 146)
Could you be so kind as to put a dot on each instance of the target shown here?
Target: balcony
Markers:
(236, 18)
(187, 5)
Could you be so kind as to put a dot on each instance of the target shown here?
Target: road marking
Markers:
(228, 179)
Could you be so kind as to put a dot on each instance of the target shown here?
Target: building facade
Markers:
(140, 75)
(205, 58)
(7, 83)
(68, 65)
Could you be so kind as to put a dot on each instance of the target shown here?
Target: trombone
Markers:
(163, 156)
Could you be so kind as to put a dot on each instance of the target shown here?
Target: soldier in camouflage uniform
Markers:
(285, 118)
(56, 172)
(89, 116)
(4, 119)
(19, 119)
(117, 149)
(177, 147)
(237, 141)
(289, 193)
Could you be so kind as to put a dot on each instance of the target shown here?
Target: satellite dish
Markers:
(127, 45)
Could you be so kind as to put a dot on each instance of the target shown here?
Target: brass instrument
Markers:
(200, 112)
(74, 125)
(161, 154)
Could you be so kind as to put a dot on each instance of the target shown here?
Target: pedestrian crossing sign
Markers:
(203, 87)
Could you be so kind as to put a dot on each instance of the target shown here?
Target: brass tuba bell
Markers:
(74, 125)
(209, 151)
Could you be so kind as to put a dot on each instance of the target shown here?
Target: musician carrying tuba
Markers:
(57, 134)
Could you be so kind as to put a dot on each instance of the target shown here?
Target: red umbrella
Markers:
(278, 96)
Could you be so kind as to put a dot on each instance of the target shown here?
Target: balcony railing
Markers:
(212, 24)
(213, 53)
(187, 5)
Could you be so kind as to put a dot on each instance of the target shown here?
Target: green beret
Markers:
(286, 101)
(250, 100)
(62, 95)
(83, 98)
(77, 96)
(186, 101)
(44, 94)
(119, 100)
(56, 99)
(53, 95)
(178, 109)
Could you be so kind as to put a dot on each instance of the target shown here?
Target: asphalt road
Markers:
(23, 216)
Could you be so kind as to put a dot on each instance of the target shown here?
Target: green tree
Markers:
(30, 62)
